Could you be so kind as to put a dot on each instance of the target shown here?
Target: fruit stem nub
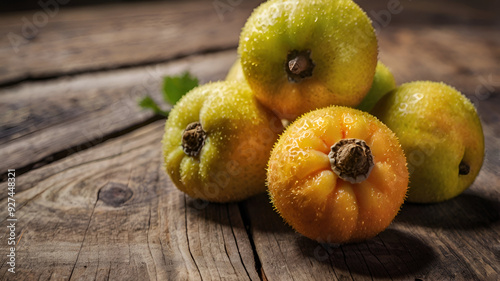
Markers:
(299, 65)
(193, 139)
(351, 160)
(463, 169)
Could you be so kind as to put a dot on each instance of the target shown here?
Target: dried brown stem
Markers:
(351, 160)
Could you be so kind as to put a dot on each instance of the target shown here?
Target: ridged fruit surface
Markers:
(338, 40)
(316, 202)
(239, 135)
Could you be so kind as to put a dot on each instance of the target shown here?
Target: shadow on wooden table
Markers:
(467, 211)
(258, 211)
(391, 254)
(394, 253)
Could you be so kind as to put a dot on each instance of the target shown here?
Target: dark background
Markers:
(464, 11)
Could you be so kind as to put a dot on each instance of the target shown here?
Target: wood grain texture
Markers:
(454, 240)
(61, 115)
(464, 56)
(111, 212)
(74, 40)
(64, 115)
(78, 222)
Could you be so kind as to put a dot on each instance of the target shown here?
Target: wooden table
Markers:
(94, 203)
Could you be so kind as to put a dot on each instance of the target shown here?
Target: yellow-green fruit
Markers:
(236, 72)
(217, 142)
(441, 134)
(383, 83)
(302, 55)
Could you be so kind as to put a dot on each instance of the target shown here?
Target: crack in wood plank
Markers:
(57, 155)
(56, 75)
(79, 39)
(379, 261)
(346, 263)
(52, 139)
(248, 229)
(148, 242)
(235, 239)
(187, 237)
(83, 239)
(68, 169)
(135, 160)
(225, 245)
(330, 262)
(424, 241)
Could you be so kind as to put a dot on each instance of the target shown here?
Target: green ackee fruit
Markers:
(235, 73)
(217, 142)
(383, 83)
(302, 55)
(441, 134)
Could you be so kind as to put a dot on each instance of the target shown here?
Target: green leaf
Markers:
(148, 103)
(174, 87)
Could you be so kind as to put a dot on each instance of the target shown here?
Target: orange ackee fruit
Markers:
(337, 175)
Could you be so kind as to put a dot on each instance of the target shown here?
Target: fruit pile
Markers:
(294, 115)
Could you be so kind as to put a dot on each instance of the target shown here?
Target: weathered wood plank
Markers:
(55, 41)
(431, 13)
(74, 40)
(466, 57)
(44, 118)
(112, 213)
(453, 240)
(40, 119)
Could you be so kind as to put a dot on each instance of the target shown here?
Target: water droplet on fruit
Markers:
(418, 96)
(402, 107)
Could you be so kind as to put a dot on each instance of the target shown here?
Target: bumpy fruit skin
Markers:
(383, 83)
(342, 45)
(240, 134)
(438, 129)
(235, 73)
(313, 199)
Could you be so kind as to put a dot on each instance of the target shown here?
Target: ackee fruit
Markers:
(298, 56)
(337, 175)
(217, 142)
(441, 134)
(383, 83)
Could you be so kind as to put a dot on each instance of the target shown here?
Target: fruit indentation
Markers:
(193, 139)
(299, 65)
(463, 168)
